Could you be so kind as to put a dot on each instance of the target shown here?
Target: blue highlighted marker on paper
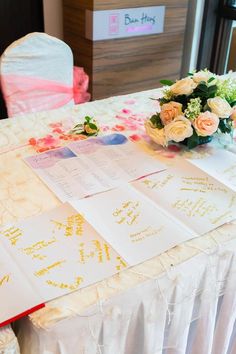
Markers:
(113, 139)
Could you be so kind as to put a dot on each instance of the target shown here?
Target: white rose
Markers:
(179, 129)
(204, 75)
(220, 107)
(157, 135)
(183, 87)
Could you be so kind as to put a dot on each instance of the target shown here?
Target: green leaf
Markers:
(87, 119)
(156, 121)
(212, 89)
(167, 82)
(92, 126)
(163, 100)
(202, 87)
(211, 79)
(193, 141)
(91, 134)
(225, 125)
(190, 74)
(183, 99)
(79, 125)
(232, 104)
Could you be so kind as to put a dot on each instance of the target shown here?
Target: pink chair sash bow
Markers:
(31, 94)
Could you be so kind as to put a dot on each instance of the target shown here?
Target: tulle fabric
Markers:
(25, 94)
(188, 309)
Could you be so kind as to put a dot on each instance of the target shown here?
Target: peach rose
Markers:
(204, 75)
(183, 87)
(206, 123)
(233, 116)
(157, 135)
(220, 107)
(179, 129)
(169, 111)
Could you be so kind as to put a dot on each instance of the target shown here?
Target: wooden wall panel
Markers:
(115, 4)
(129, 64)
(79, 4)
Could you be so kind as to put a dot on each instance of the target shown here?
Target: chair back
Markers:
(37, 74)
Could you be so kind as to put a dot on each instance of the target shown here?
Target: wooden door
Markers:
(17, 18)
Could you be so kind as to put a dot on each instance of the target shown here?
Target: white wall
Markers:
(53, 20)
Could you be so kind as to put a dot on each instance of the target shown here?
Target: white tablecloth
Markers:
(8, 341)
(180, 302)
(188, 308)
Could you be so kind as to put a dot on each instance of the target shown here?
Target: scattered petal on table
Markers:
(130, 101)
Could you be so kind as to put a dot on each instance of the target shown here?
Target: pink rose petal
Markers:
(126, 111)
(55, 125)
(135, 137)
(174, 148)
(130, 101)
(118, 128)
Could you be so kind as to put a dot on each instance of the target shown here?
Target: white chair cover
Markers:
(37, 55)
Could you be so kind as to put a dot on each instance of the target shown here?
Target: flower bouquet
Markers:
(193, 110)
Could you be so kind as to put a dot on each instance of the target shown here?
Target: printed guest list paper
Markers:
(91, 166)
(48, 256)
(191, 196)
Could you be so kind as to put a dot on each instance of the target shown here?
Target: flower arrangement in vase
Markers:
(194, 109)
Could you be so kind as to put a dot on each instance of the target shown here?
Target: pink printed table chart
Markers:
(182, 301)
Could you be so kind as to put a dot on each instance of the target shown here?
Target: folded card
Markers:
(50, 255)
(132, 224)
(220, 164)
(191, 196)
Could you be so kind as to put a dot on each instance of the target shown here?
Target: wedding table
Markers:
(182, 301)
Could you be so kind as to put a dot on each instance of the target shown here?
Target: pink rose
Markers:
(206, 123)
(169, 111)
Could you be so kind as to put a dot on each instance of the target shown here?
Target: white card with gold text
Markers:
(191, 196)
(133, 225)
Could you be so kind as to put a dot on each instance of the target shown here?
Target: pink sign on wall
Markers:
(121, 23)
